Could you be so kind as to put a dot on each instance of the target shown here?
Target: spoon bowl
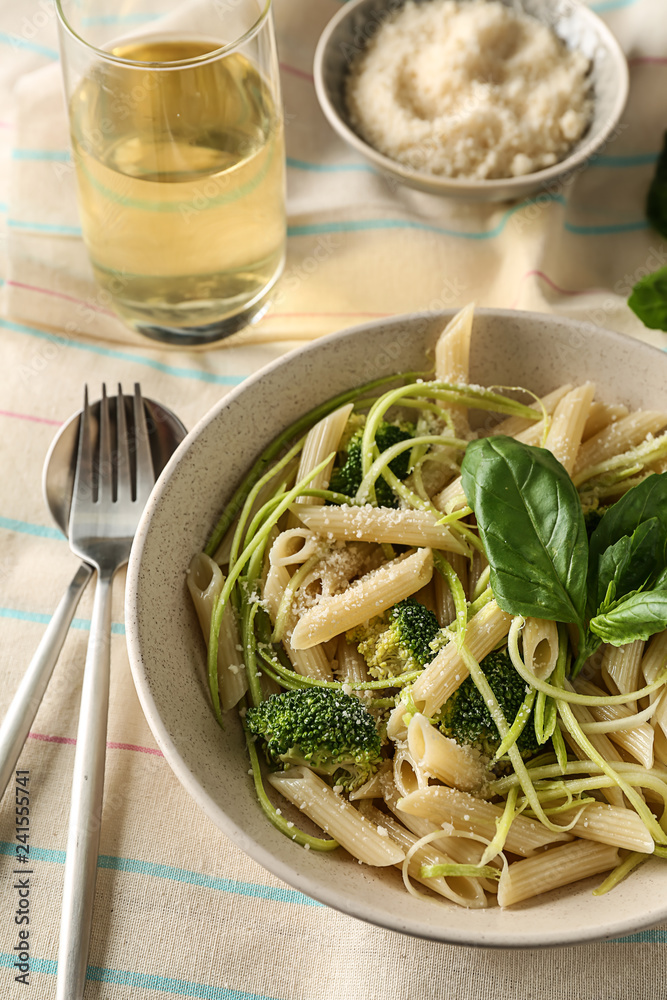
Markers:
(165, 433)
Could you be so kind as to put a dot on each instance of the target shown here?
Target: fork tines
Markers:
(114, 455)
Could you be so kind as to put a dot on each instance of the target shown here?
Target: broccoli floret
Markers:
(465, 716)
(347, 478)
(398, 640)
(327, 730)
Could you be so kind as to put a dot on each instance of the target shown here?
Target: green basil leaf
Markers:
(532, 526)
(656, 202)
(641, 503)
(649, 300)
(631, 563)
(637, 617)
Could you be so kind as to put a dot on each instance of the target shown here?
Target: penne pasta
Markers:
(619, 437)
(311, 662)
(374, 787)
(621, 667)
(443, 758)
(479, 567)
(451, 499)
(459, 889)
(567, 425)
(601, 416)
(452, 348)
(654, 660)
(540, 646)
(516, 426)
(660, 745)
(553, 869)
(636, 741)
(321, 440)
(612, 825)
(452, 361)
(442, 805)
(205, 582)
(334, 814)
(294, 547)
(407, 774)
(369, 596)
(381, 524)
(461, 849)
(351, 664)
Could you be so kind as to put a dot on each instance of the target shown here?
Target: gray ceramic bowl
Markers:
(167, 652)
(356, 22)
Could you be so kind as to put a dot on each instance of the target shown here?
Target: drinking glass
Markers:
(177, 137)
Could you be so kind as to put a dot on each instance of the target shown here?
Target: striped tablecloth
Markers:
(179, 911)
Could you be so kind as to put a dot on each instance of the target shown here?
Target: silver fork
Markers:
(107, 503)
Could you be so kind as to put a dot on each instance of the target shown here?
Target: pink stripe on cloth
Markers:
(51, 739)
(297, 72)
(647, 60)
(29, 416)
(552, 284)
(110, 746)
(61, 295)
(130, 746)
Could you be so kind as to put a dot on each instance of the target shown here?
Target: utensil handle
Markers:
(23, 709)
(86, 807)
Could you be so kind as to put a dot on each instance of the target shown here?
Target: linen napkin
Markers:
(179, 911)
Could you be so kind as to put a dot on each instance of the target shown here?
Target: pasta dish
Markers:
(441, 611)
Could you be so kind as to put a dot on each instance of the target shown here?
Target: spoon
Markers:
(165, 432)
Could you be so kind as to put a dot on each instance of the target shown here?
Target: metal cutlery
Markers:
(165, 433)
(112, 483)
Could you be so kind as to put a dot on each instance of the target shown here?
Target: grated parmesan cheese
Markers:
(469, 89)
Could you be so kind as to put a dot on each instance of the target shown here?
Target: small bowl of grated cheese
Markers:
(476, 99)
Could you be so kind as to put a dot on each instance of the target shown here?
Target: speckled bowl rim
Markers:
(611, 925)
(462, 186)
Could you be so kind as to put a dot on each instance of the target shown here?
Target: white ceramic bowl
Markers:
(356, 22)
(167, 651)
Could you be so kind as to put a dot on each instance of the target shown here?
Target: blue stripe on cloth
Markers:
(45, 227)
(25, 528)
(360, 225)
(37, 617)
(328, 168)
(636, 160)
(369, 224)
(60, 155)
(137, 18)
(17, 42)
(250, 889)
(604, 6)
(136, 359)
(8, 848)
(621, 227)
(140, 980)
(3, 207)
(656, 936)
(275, 894)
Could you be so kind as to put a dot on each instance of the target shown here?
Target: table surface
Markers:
(179, 911)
